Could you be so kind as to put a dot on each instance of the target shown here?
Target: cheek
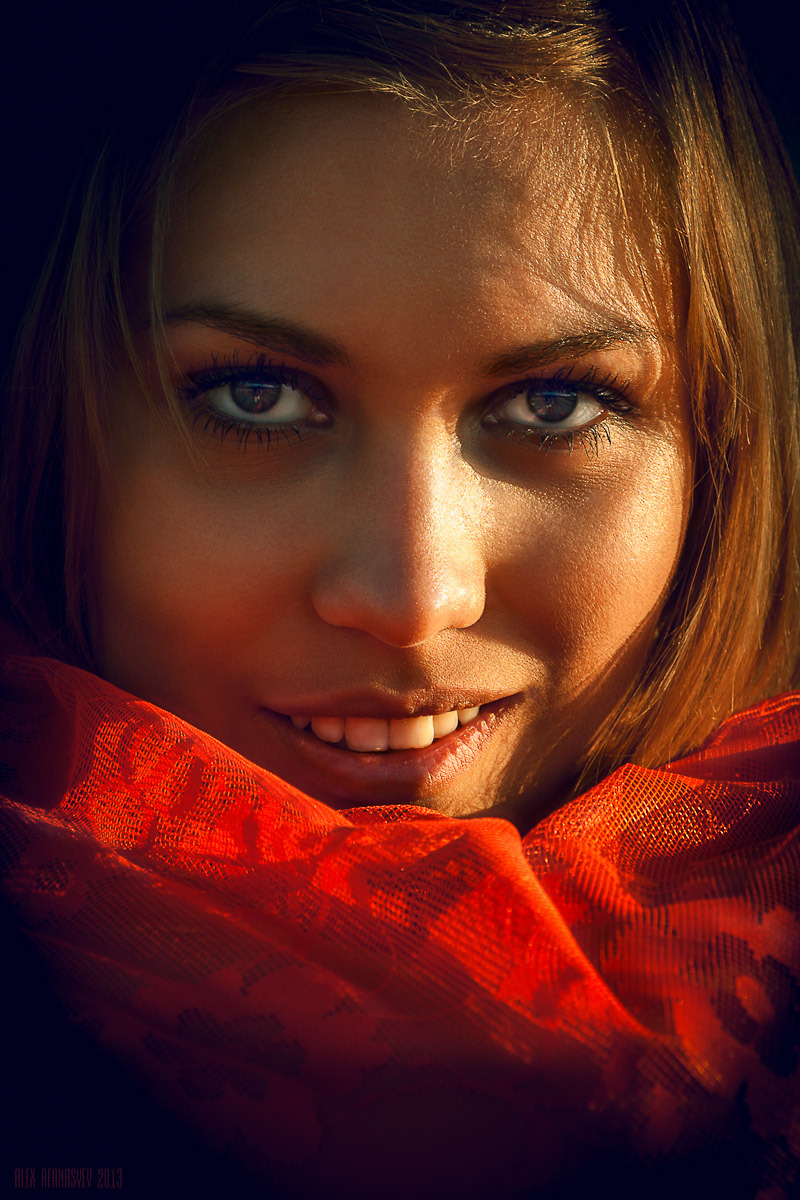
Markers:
(594, 569)
(187, 570)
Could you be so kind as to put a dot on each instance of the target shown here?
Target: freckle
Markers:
(754, 999)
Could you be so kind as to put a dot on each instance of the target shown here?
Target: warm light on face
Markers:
(444, 462)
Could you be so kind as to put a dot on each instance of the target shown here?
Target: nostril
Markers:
(400, 608)
(401, 564)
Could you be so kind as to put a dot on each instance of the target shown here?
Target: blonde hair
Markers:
(728, 634)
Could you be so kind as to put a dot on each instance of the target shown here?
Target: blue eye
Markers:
(260, 403)
(551, 408)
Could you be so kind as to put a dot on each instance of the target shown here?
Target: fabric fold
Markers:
(367, 1001)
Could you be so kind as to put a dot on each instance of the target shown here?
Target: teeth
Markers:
(413, 733)
(444, 723)
(373, 734)
(366, 733)
(330, 729)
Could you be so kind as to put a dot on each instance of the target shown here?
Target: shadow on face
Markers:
(442, 452)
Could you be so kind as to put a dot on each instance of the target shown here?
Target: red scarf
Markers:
(386, 1002)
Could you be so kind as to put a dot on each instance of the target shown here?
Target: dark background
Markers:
(61, 65)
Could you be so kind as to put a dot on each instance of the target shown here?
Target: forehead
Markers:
(349, 209)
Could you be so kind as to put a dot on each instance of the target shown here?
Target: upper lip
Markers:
(387, 706)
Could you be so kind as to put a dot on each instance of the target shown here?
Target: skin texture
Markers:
(405, 547)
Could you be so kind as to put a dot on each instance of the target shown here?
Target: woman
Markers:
(408, 416)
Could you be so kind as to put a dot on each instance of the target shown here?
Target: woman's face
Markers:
(443, 457)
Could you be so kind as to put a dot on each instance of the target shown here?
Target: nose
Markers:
(403, 557)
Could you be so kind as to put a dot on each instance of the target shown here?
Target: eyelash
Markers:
(259, 369)
(606, 390)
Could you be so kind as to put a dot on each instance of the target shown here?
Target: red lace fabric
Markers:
(386, 1002)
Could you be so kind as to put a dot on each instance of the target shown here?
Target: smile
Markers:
(349, 759)
(375, 735)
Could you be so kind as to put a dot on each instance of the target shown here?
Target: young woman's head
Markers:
(434, 360)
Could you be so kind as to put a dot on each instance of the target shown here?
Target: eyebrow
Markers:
(571, 345)
(292, 337)
(272, 333)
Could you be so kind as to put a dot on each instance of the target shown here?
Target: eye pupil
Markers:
(552, 406)
(255, 397)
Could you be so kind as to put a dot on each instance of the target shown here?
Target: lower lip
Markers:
(394, 776)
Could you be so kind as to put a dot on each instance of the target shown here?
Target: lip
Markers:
(353, 778)
(370, 704)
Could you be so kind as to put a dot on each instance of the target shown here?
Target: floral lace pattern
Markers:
(389, 1002)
